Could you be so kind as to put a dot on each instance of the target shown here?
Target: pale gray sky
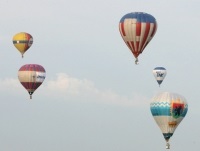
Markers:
(94, 97)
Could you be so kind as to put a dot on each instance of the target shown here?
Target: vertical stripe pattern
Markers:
(137, 29)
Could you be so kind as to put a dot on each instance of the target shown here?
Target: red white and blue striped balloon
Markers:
(31, 77)
(137, 29)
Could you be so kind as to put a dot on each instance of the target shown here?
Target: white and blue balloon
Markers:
(168, 110)
(159, 73)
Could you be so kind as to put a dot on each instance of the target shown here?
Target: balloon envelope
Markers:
(168, 110)
(22, 41)
(137, 29)
(159, 74)
(31, 77)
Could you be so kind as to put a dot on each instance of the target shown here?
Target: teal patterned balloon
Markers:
(168, 110)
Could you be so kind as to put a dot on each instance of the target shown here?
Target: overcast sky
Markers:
(94, 97)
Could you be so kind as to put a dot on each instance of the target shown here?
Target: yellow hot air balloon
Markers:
(22, 41)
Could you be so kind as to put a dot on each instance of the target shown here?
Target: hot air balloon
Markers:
(137, 29)
(168, 110)
(31, 77)
(159, 73)
(22, 41)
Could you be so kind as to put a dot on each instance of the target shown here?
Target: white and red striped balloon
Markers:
(137, 29)
(31, 77)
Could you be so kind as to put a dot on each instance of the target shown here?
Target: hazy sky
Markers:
(94, 97)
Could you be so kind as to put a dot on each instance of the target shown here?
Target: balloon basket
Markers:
(167, 145)
(136, 61)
